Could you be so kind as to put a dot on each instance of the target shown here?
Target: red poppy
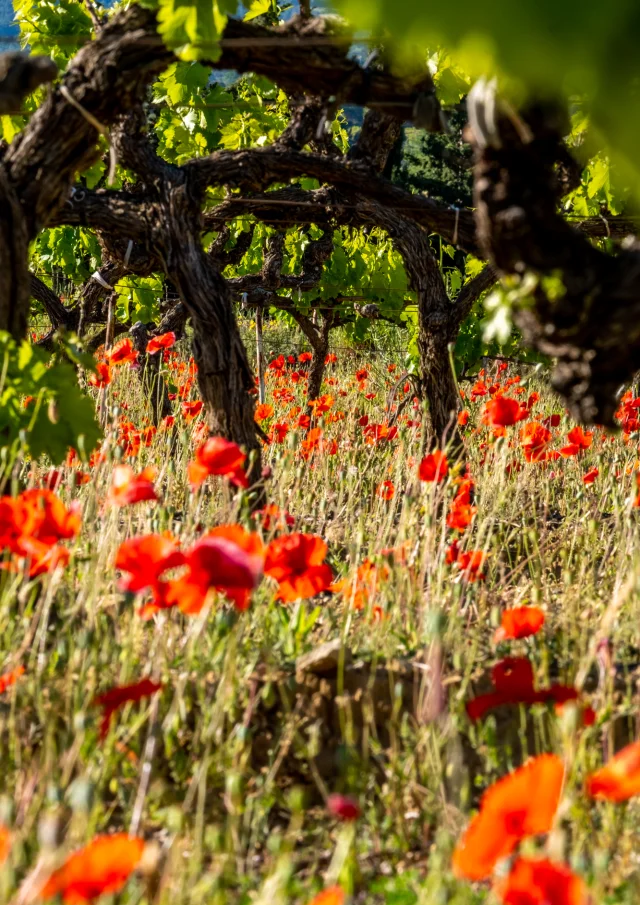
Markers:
(386, 490)
(344, 807)
(102, 377)
(228, 560)
(263, 412)
(218, 456)
(463, 418)
(304, 357)
(191, 410)
(513, 682)
(271, 516)
(279, 432)
(101, 867)
(362, 374)
(460, 515)
(619, 779)
(362, 586)
(158, 343)
(541, 882)
(519, 622)
(10, 678)
(502, 411)
(53, 520)
(535, 439)
(522, 804)
(122, 353)
(579, 440)
(330, 359)
(127, 487)
(470, 563)
(433, 467)
(590, 476)
(332, 895)
(5, 844)
(145, 559)
(296, 562)
(117, 697)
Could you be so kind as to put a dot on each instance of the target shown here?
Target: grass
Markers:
(181, 769)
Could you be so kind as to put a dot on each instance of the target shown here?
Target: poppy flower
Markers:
(127, 487)
(579, 440)
(40, 558)
(522, 804)
(271, 516)
(433, 467)
(463, 418)
(363, 585)
(619, 779)
(53, 520)
(460, 515)
(344, 807)
(145, 559)
(330, 359)
(158, 343)
(332, 895)
(117, 697)
(122, 353)
(191, 410)
(296, 562)
(502, 411)
(229, 561)
(101, 867)
(362, 374)
(278, 432)
(519, 622)
(305, 357)
(10, 678)
(513, 683)
(590, 476)
(5, 844)
(541, 882)
(386, 490)
(263, 412)
(102, 377)
(218, 456)
(534, 439)
(470, 563)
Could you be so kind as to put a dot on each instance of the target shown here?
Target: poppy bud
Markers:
(344, 807)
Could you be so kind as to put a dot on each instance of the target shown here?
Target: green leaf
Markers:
(257, 8)
(193, 27)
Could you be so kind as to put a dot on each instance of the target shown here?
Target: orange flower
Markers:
(541, 882)
(386, 490)
(263, 412)
(332, 895)
(519, 622)
(590, 476)
(191, 410)
(164, 341)
(433, 467)
(120, 695)
(463, 418)
(228, 560)
(145, 559)
(121, 353)
(513, 683)
(218, 456)
(470, 564)
(127, 487)
(363, 585)
(296, 562)
(502, 412)
(619, 779)
(578, 441)
(102, 377)
(534, 439)
(103, 866)
(10, 678)
(522, 804)
(5, 843)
